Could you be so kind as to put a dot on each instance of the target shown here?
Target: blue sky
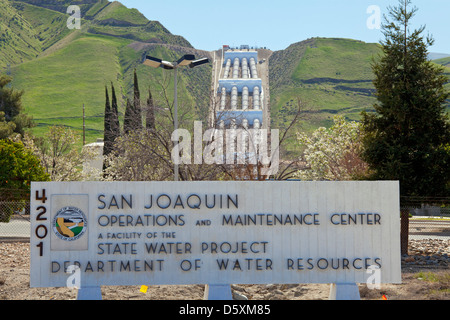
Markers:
(208, 24)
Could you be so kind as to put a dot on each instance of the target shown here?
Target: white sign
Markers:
(175, 233)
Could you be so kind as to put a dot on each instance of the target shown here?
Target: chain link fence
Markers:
(429, 217)
(15, 219)
(14, 214)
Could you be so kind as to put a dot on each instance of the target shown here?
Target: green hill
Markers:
(117, 13)
(64, 69)
(18, 40)
(333, 76)
(446, 63)
(61, 5)
(48, 25)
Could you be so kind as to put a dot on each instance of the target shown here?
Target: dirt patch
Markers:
(419, 283)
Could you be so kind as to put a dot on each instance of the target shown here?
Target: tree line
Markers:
(132, 118)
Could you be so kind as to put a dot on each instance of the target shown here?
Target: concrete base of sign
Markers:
(218, 292)
(89, 293)
(344, 291)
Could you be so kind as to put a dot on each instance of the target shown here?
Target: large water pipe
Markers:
(253, 69)
(245, 98)
(236, 66)
(245, 124)
(223, 101)
(245, 70)
(256, 99)
(227, 69)
(234, 98)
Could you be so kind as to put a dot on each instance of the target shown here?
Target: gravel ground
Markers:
(425, 276)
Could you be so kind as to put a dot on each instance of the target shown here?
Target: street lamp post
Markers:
(186, 60)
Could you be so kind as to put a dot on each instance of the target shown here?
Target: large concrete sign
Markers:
(156, 233)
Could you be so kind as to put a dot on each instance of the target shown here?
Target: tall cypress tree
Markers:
(115, 126)
(128, 118)
(408, 137)
(133, 113)
(107, 138)
(137, 112)
(150, 115)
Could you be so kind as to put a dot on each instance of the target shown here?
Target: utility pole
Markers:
(186, 60)
(84, 127)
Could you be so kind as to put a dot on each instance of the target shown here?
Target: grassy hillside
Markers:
(446, 63)
(332, 76)
(341, 59)
(56, 86)
(116, 11)
(95, 9)
(18, 39)
(70, 68)
(48, 25)
(61, 5)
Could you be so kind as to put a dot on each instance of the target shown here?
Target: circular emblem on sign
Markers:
(69, 224)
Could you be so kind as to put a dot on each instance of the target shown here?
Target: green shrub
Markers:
(18, 168)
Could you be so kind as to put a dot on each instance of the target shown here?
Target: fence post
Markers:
(218, 292)
(404, 230)
(89, 293)
(344, 291)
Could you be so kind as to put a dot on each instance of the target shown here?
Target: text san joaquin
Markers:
(168, 201)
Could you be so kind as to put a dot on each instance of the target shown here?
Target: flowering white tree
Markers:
(333, 154)
(59, 156)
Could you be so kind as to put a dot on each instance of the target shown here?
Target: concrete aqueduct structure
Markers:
(240, 90)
